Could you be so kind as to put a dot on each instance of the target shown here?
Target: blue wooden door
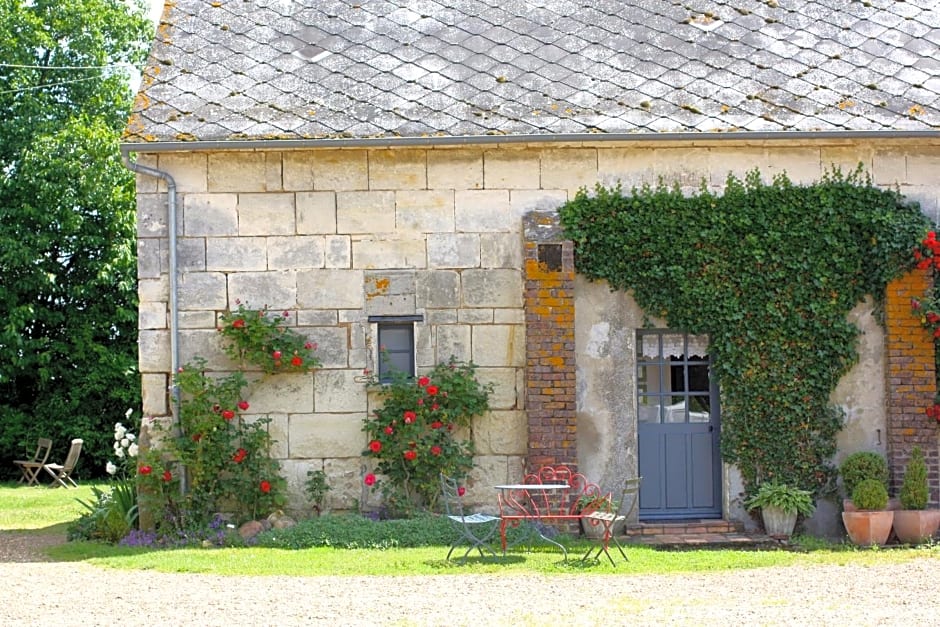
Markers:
(678, 428)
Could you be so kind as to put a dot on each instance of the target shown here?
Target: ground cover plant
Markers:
(29, 509)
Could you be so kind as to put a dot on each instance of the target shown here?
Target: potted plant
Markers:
(858, 467)
(780, 504)
(588, 503)
(870, 523)
(914, 523)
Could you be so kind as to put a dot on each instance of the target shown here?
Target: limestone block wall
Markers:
(332, 236)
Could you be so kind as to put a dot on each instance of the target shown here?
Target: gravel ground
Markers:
(40, 592)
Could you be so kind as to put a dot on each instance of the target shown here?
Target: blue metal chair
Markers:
(476, 530)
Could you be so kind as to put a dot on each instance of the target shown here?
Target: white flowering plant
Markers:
(114, 513)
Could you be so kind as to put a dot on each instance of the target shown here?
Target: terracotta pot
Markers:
(778, 522)
(866, 528)
(914, 526)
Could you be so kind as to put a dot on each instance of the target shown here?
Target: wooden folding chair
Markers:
(31, 467)
(624, 508)
(62, 472)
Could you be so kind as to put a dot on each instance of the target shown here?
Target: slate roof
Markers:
(282, 69)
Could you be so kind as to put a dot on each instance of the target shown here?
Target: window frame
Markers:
(383, 372)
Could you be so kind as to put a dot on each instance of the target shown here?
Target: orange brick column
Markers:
(911, 384)
(550, 360)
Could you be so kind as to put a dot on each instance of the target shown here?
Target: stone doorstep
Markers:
(694, 533)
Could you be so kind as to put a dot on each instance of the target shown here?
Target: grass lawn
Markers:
(43, 509)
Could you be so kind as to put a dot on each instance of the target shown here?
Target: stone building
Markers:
(376, 165)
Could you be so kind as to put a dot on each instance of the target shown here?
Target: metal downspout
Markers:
(135, 167)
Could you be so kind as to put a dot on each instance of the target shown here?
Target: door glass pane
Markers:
(649, 410)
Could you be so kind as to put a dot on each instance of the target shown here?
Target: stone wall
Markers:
(333, 236)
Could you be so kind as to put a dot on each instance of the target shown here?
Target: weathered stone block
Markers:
(509, 316)
(153, 348)
(148, 258)
(236, 254)
(511, 169)
(327, 435)
(501, 433)
(436, 289)
(455, 169)
(152, 316)
(569, 168)
(154, 394)
(337, 391)
(316, 318)
(290, 393)
(454, 250)
(207, 344)
(153, 289)
(340, 170)
(237, 172)
(266, 214)
(453, 340)
(500, 250)
(278, 290)
(297, 167)
(499, 345)
(151, 215)
(210, 214)
(332, 345)
(202, 290)
(922, 166)
(475, 316)
(316, 213)
(398, 169)
(330, 289)
(424, 211)
(479, 211)
(278, 429)
(802, 165)
(345, 475)
(197, 320)
(190, 255)
(299, 252)
(365, 212)
(338, 252)
(508, 386)
(491, 288)
(189, 170)
(372, 253)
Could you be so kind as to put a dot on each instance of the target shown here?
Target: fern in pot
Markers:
(780, 504)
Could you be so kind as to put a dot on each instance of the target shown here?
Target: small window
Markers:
(396, 345)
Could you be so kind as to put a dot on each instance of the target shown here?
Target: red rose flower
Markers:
(197, 437)
(389, 431)
(276, 354)
(369, 479)
(431, 390)
(435, 407)
(437, 424)
(435, 450)
(228, 414)
(239, 455)
(423, 381)
(410, 417)
(238, 324)
(243, 405)
(265, 486)
(308, 346)
(145, 470)
(296, 361)
(420, 401)
(167, 475)
(410, 455)
(375, 446)
(461, 491)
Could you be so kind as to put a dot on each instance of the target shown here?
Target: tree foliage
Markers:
(67, 256)
(770, 272)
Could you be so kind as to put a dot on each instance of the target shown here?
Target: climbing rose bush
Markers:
(226, 456)
(421, 430)
(261, 338)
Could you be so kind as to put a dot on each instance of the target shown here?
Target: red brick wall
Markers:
(911, 382)
(550, 354)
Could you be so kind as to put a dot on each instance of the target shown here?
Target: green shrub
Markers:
(860, 466)
(870, 494)
(914, 490)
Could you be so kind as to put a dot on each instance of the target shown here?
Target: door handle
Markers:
(711, 428)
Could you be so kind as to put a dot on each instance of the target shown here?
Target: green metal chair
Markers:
(475, 530)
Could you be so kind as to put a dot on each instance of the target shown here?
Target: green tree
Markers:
(67, 256)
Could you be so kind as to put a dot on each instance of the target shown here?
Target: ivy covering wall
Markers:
(770, 271)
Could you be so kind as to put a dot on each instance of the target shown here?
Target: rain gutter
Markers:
(567, 138)
(138, 168)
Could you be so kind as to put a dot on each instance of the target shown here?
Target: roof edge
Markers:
(394, 142)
